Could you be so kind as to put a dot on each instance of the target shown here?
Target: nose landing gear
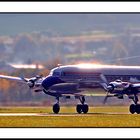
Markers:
(56, 107)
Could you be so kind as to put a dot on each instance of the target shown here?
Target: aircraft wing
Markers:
(65, 88)
(71, 89)
(137, 85)
(18, 79)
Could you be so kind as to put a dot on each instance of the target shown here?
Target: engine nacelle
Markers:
(118, 85)
(110, 87)
(31, 83)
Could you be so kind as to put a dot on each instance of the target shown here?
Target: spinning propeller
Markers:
(31, 82)
(110, 87)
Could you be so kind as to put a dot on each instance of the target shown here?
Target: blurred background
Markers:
(32, 44)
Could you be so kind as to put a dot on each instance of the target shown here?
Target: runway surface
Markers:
(64, 114)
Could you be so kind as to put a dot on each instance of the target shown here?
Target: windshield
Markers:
(54, 72)
(51, 72)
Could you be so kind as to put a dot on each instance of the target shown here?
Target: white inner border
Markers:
(69, 7)
(69, 133)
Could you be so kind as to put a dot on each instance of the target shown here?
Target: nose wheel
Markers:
(56, 107)
(82, 108)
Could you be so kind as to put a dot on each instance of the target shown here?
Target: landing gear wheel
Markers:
(137, 107)
(85, 108)
(132, 108)
(79, 108)
(56, 108)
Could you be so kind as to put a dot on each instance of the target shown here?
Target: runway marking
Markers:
(51, 114)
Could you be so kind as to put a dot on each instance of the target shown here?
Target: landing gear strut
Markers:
(82, 107)
(135, 107)
(56, 106)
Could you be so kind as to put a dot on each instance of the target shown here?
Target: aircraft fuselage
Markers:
(88, 76)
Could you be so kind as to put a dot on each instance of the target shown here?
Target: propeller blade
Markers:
(105, 86)
(103, 78)
(106, 97)
(24, 79)
(31, 82)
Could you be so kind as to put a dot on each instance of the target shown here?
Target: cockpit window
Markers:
(56, 73)
(51, 72)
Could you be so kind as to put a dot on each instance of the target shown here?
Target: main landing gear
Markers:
(135, 107)
(82, 108)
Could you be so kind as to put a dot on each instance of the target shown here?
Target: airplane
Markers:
(73, 80)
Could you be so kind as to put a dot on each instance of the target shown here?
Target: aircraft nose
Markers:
(49, 81)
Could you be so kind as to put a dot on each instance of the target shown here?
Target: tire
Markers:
(85, 108)
(132, 108)
(56, 108)
(137, 108)
(79, 108)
